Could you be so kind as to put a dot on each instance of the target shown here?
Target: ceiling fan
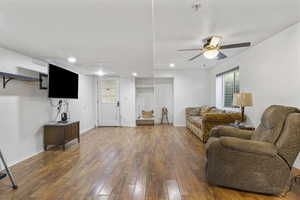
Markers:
(212, 46)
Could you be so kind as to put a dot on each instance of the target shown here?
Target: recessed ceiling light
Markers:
(72, 60)
(172, 65)
(134, 74)
(100, 73)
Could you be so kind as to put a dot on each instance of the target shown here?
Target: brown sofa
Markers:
(258, 161)
(200, 120)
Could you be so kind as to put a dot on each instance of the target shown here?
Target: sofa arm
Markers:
(220, 131)
(192, 111)
(248, 146)
(222, 118)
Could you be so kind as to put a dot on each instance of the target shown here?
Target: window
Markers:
(227, 83)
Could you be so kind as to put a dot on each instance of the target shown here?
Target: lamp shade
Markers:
(297, 162)
(242, 99)
(236, 99)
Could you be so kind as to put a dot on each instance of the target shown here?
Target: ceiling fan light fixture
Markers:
(215, 41)
(211, 54)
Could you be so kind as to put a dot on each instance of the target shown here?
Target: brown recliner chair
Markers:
(258, 161)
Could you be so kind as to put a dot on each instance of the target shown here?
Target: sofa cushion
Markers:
(194, 111)
(205, 109)
(147, 114)
(215, 110)
(196, 120)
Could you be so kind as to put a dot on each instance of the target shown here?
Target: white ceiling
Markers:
(121, 37)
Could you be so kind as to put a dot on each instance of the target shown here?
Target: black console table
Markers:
(61, 133)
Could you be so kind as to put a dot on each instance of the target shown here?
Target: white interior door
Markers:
(109, 102)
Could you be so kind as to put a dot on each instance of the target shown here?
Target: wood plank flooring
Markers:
(143, 163)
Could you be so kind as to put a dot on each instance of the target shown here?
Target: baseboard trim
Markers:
(11, 164)
(179, 125)
(86, 130)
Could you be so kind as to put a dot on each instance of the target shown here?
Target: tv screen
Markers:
(62, 83)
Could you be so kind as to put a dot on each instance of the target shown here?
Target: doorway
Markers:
(109, 102)
(154, 94)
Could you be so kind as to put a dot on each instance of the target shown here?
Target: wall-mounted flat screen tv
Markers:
(63, 84)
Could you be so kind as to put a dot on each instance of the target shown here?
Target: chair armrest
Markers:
(192, 111)
(220, 131)
(248, 146)
(222, 118)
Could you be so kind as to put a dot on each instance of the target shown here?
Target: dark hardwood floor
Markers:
(144, 163)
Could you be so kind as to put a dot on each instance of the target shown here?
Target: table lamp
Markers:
(297, 166)
(242, 100)
(297, 162)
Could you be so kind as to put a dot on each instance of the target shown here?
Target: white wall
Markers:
(24, 108)
(191, 88)
(84, 109)
(269, 70)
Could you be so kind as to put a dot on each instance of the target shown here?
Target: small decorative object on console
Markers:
(64, 117)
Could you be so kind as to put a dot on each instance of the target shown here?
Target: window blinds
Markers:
(230, 85)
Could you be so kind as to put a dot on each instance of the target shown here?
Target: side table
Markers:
(242, 126)
(61, 133)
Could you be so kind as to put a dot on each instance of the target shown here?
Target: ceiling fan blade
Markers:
(190, 50)
(193, 58)
(221, 56)
(238, 45)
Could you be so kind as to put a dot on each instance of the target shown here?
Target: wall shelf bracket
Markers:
(8, 77)
(6, 80)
